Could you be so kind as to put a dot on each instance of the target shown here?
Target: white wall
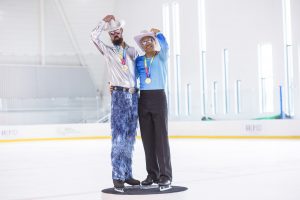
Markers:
(67, 26)
(45, 82)
(46, 53)
(239, 26)
(19, 31)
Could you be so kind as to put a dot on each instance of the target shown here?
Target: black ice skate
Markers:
(118, 185)
(164, 183)
(133, 182)
(149, 183)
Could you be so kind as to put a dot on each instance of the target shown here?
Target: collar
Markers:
(117, 48)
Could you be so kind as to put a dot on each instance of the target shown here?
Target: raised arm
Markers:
(162, 42)
(96, 33)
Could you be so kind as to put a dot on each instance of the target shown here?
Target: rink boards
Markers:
(273, 129)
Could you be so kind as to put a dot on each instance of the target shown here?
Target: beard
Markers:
(118, 41)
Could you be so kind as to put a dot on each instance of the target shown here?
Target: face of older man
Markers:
(148, 43)
(116, 36)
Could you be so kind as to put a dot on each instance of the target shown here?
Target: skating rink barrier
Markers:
(281, 129)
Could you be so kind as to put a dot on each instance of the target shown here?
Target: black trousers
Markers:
(153, 118)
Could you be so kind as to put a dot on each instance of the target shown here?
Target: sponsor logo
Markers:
(68, 131)
(8, 132)
(252, 128)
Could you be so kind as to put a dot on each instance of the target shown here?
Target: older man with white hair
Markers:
(153, 109)
(124, 99)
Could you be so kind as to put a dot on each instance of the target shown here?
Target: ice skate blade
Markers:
(121, 190)
(164, 188)
(147, 187)
(132, 186)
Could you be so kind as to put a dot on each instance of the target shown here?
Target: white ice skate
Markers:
(118, 186)
(149, 183)
(133, 183)
(121, 190)
(164, 187)
(146, 187)
(164, 183)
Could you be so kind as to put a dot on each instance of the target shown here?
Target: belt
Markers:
(131, 90)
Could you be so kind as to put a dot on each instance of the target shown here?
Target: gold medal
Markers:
(125, 68)
(148, 80)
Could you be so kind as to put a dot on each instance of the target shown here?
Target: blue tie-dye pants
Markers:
(124, 116)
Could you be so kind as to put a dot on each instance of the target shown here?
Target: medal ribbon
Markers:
(148, 68)
(123, 55)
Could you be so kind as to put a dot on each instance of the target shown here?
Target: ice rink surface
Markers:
(219, 169)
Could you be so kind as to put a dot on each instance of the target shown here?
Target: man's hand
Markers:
(108, 18)
(111, 89)
(154, 30)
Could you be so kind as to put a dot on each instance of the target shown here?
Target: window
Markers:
(176, 55)
(215, 97)
(202, 47)
(289, 73)
(188, 99)
(238, 96)
(166, 30)
(225, 79)
(266, 89)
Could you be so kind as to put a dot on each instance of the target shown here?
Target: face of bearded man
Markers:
(116, 36)
(117, 41)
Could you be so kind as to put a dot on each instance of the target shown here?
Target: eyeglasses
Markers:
(147, 41)
(115, 32)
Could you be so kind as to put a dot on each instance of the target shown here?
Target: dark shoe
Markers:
(164, 181)
(149, 181)
(132, 181)
(119, 185)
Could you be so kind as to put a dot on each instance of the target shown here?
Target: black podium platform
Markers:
(139, 191)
